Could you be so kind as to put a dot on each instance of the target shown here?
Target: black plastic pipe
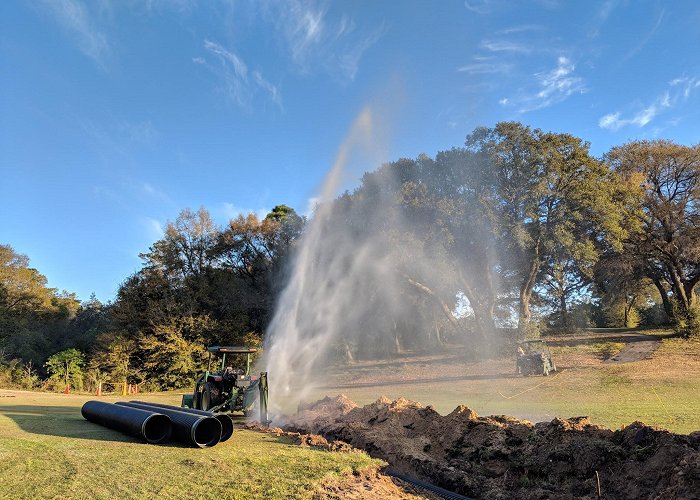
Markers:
(441, 492)
(224, 419)
(147, 424)
(194, 430)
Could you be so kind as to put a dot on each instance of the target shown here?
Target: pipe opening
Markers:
(226, 426)
(156, 429)
(206, 432)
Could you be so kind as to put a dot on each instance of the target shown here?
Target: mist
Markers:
(375, 273)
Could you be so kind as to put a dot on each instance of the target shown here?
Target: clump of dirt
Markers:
(367, 483)
(504, 457)
(303, 440)
(370, 483)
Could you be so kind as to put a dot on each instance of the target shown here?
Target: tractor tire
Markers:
(195, 399)
(205, 401)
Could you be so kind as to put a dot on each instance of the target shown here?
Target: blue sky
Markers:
(115, 115)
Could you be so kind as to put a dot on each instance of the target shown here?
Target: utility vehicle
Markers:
(223, 388)
(534, 358)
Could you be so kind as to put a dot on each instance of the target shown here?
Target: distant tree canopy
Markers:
(520, 228)
(199, 285)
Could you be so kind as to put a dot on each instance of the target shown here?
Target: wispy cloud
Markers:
(520, 29)
(553, 86)
(241, 84)
(649, 35)
(505, 46)
(74, 18)
(182, 6)
(153, 192)
(153, 227)
(485, 67)
(679, 90)
(479, 6)
(314, 39)
(231, 211)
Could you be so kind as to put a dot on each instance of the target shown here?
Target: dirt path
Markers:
(635, 350)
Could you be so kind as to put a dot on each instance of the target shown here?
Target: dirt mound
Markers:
(503, 457)
(370, 484)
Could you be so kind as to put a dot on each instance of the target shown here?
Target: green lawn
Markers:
(47, 450)
(663, 390)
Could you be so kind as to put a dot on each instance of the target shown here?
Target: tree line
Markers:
(518, 231)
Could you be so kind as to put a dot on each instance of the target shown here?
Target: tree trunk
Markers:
(397, 344)
(437, 335)
(664, 298)
(678, 289)
(526, 288)
(563, 311)
(484, 320)
(441, 303)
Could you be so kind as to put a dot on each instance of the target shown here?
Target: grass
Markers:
(47, 450)
(663, 390)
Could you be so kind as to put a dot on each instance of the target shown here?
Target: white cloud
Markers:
(559, 83)
(504, 46)
(486, 67)
(648, 37)
(520, 29)
(553, 86)
(241, 85)
(271, 89)
(479, 6)
(686, 85)
(315, 40)
(74, 18)
(679, 90)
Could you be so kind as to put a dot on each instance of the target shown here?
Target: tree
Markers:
(66, 366)
(668, 237)
(554, 201)
(23, 289)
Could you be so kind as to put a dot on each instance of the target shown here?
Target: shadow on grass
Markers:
(60, 421)
(573, 342)
(491, 376)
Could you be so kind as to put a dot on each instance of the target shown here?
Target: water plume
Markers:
(318, 296)
(373, 273)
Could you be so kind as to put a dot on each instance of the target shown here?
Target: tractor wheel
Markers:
(195, 399)
(205, 401)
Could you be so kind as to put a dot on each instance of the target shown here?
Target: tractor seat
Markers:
(216, 378)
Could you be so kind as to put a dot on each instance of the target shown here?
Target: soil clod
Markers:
(504, 457)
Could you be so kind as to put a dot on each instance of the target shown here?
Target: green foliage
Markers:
(619, 315)
(518, 218)
(687, 319)
(666, 241)
(65, 368)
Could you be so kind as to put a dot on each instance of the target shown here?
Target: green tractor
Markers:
(534, 358)
(229, 389)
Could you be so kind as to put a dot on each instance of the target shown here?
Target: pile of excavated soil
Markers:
(503, 457)
(368, 483)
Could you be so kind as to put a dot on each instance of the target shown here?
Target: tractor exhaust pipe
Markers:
(195, 430)
(147, 424)
(225, 420)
